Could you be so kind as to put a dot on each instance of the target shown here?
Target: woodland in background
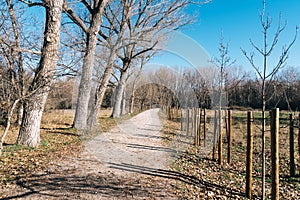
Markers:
(103, 43)
(88, 54)
(244, 93)
(62, 54)
(241, 94)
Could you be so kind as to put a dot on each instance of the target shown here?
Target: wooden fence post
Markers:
(275, 153)
(187, 121)
(249, 155)
(168, 113)
(292, 146)
(226, 123)
(204, 126)
(195, 126)
(215, 137)
(299, 134)
(191, 121)
(229, 136)
(195, 122)
(181, 119)
(199, 126)
(220, 150)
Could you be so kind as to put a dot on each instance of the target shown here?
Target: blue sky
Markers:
(239, 21)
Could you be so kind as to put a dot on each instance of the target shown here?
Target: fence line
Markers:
(275, 153)
(193, 121)
(249, 155)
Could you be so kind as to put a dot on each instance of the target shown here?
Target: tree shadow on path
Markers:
(168, 174)
(69, 185)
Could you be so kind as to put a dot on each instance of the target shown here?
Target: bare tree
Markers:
(138, 12)
(168, 92)
(223, 62)
(289, 92)
(150, 22)
(29, 134)
(18, 48)
(134, 81)
(95, 10)
(267, 73)
(12, 54)
(149, 93)
(112, 31)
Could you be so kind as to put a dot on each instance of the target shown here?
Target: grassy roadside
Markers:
(58, 139)
(203, 178)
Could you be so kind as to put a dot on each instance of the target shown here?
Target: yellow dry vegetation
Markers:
(58, 139)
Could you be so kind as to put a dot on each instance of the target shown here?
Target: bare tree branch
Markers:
(76, 19)
(251, 61)
(87, 5)
(31, 4)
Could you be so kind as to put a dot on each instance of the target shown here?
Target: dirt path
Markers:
(136, 142)
(129, 162)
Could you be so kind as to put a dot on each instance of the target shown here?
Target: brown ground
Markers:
(209, 180)
(129, 162)
(125, 174)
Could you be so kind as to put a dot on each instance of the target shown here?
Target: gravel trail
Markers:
(128, 162)
(135, 142)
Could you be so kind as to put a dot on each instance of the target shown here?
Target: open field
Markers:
(87, 173)
(200, 176)
(58, 139)
(228, 181)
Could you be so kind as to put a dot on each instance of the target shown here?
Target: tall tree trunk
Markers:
(118, 96)
(101, 89)
(81, 114)
(99, 96)
(263, 137)
(29, 134)
(20, 114)
(132, 98)
(123, 103)
(20, 84)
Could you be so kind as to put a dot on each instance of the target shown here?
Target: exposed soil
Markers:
(140, 158)
(129, 162)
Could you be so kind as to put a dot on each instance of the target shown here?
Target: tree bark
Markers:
(132, 98)
(249, 163)
(29, 134)
(101, 89)
(118, 96)
(85, 85)
(10, 114)
(123, 103)
(274, 115)
(20, 82)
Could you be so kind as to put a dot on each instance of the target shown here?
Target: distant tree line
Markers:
(284, 91)
(88, 54)
(284, 95)
(243, 91)
(102, 43)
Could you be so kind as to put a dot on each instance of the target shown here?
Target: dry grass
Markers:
(58, 139)
(212, 181)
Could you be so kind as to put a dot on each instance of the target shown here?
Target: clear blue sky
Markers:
(239, 21)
